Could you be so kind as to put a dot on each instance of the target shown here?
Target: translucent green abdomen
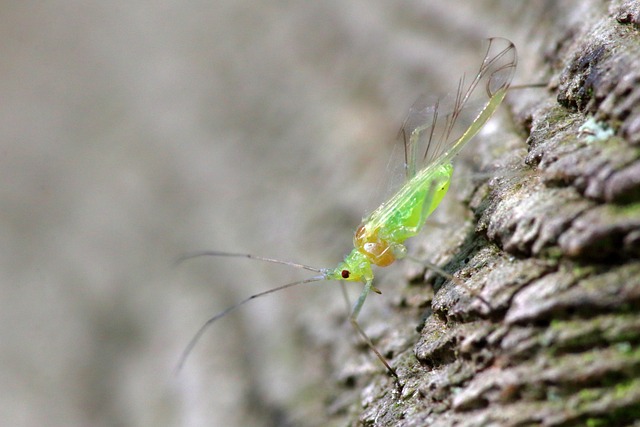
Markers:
(405, 214)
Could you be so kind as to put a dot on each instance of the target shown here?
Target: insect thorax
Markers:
(377, 250)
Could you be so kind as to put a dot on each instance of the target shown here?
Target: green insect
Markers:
(429, 140)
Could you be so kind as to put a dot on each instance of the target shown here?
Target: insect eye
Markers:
(345, 274)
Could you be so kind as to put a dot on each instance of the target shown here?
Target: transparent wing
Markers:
(436, 131)
(423, 111)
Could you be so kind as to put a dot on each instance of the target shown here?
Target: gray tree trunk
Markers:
(134, 131)
(552, 247)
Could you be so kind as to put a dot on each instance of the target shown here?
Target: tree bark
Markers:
(552, 245)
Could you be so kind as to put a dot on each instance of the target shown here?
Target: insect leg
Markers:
(424, 214)
(368, 286)
(345, 296)
(452, 278)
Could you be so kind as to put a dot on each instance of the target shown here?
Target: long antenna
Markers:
(198, 254)
(209, 322)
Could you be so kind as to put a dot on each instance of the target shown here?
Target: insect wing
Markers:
(424, 110)
(435, 132)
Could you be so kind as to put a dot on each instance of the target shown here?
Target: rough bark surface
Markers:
(553, 248)
(133, 132)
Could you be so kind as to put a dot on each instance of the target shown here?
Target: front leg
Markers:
(368, 286)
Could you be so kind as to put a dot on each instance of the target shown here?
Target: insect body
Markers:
(379, 240)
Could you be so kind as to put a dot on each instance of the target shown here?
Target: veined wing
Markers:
(435, 132)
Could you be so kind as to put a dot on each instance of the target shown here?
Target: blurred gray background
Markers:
(133, 132)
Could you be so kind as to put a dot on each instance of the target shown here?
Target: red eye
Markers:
(345, 274)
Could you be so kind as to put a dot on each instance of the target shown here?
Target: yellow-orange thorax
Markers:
(377, 250)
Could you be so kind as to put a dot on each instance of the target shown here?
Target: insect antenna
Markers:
(198, 254)
(192, 343)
